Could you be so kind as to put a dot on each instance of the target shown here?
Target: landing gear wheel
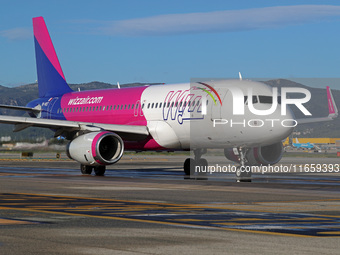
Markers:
(203, 166)
(86, 169)
(99, 170)
(243, 175)
(189, 166)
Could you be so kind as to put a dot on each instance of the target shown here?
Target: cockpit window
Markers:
(254, 100)
(268, 99)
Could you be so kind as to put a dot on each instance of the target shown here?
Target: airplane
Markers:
(195, 116)
(298, 145)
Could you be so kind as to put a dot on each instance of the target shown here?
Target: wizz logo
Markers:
(182, 105)
(209, 93)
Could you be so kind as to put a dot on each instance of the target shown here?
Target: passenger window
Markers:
(156, 105)
(152, 105)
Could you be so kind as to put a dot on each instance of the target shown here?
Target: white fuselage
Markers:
(181, 126)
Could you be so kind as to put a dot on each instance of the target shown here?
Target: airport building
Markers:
(313, 140)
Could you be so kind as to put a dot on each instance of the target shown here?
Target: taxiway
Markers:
(144, 205)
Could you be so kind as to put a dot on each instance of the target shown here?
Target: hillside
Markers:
(23, 94)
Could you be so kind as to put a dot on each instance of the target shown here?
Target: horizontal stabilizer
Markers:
(20, 108)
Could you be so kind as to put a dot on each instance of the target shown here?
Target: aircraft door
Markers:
(50, 107)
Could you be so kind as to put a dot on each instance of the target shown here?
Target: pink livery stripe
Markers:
(330, 101)
(42, 36)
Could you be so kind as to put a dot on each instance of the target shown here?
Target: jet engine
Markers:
(96, 148)
(262, 155)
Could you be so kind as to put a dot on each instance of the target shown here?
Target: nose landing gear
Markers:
(243, 174)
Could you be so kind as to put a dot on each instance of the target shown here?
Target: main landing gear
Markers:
(197, 165)
(98, 170)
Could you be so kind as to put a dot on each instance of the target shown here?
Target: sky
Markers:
(173, 41)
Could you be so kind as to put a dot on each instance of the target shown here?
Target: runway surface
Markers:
(145, 205)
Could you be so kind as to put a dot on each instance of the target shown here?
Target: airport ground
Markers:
(145, 205)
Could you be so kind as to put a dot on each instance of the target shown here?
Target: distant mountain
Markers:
(23, 94)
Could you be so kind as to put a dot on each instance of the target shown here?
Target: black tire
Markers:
(243, 176)
(203, 163)
(189, 166)
(203, 169)
(99, 170)
(86, 169)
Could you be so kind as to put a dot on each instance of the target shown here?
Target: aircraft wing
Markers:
(69, 126)
(332, 108)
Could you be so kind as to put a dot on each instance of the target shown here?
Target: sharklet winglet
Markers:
(332, 108)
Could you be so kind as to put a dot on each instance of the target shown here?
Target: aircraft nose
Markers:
(287, 124)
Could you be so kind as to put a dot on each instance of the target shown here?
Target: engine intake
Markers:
(96, 148)
(263, 155)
